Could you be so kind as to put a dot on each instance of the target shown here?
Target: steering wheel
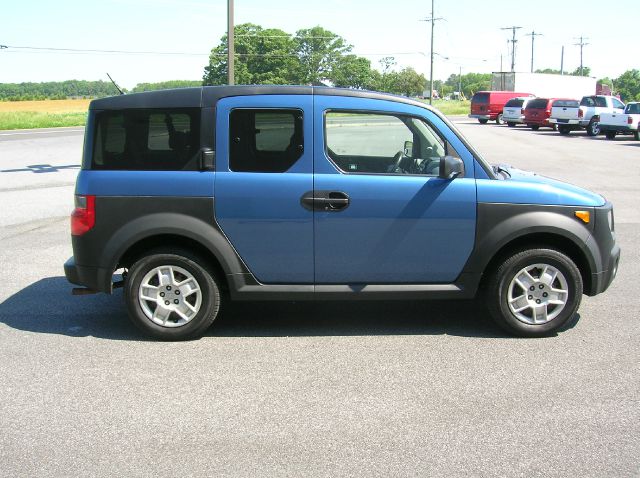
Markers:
(397, 159)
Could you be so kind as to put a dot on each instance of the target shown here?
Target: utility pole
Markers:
(562, 61)
(460, 84)
(533, 36)
(582, 44)
(230, 43)
(433, 22)
(513, 46)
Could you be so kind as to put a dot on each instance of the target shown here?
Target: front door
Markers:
(264, 165)
(387, 217)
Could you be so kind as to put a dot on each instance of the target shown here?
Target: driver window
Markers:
(383, 144)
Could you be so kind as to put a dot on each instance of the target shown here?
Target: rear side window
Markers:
(565, 103)
(480, 98)
(538, 103)
(147, 140)
(515, 102)
(265, 140)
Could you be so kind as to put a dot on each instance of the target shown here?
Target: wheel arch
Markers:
(171, 230)
(544, 240)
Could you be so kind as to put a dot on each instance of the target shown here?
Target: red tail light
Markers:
(629, 120)
(580, 113)
(83, 217)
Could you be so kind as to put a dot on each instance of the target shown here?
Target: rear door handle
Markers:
(325, 200)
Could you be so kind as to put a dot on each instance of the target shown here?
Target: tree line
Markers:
(312, 56)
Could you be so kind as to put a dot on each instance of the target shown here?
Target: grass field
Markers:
(56, 113)
(42, 114)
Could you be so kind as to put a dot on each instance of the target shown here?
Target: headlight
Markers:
(610, 219)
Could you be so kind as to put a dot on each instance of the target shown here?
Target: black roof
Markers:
(207, 96)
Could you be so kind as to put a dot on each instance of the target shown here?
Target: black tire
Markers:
(500, 281)
(593, 128)
(482, 121)
(610, 135)
(511, 124)
(564, 130)
(636, 135)
(499, 119)
(534, 127)
(180, 261)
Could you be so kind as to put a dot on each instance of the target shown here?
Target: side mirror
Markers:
(408, 149)
(207, 159)
(450, 167)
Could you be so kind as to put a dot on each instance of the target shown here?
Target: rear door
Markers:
(264, 165)
(383, 215)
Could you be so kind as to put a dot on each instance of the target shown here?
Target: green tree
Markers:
(471, 82)
(586, 71)
(628, 85)
(319, 52)
(165, 84)
(351, 71)
(262, 56)
(548, 70)
(386, 64)
(408, 82)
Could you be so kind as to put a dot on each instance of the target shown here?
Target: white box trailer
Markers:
(544, 84)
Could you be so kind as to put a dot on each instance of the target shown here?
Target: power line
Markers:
(513, 45)
(533, 36)
(582, 44)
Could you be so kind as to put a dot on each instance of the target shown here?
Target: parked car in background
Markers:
(488, 105)
(628, 122)
(513, 111)
(585, 115)
(538, 111)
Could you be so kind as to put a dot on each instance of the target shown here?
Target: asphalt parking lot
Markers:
(312, 389)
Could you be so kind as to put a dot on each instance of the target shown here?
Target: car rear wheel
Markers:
(511, 124)
(499, 119)
(562, 129)
(534, 292)
(534, 127)
(483, 121)
(593, 128)
(610, 134)
(171, 295)
(636, 135)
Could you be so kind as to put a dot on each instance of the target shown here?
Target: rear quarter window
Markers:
(633, 109)
(147, 139)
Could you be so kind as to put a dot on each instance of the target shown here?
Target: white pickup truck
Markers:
(625, 123)
(585, 115)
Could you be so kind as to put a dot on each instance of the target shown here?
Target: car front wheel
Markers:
(534, 292)
(499, 119)
(172, 295)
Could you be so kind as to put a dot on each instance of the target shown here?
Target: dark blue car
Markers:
(193, 196)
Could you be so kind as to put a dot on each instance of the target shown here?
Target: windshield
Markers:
(633, 109)
(537, 103)
(566, 103)
(515, 102)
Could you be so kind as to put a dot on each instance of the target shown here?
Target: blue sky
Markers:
(470, 34)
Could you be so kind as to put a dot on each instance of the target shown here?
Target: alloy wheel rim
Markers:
(170, 296)
(537, 294)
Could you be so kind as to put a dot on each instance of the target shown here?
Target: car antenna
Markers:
(115, 84)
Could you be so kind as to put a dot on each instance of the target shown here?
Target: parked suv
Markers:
(513, 111)
(188, 198)
(538, 111)
(488, 105)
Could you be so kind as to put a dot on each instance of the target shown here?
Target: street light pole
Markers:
(460, 84)
(230, 43)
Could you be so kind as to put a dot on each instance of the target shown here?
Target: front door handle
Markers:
(325, 200)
